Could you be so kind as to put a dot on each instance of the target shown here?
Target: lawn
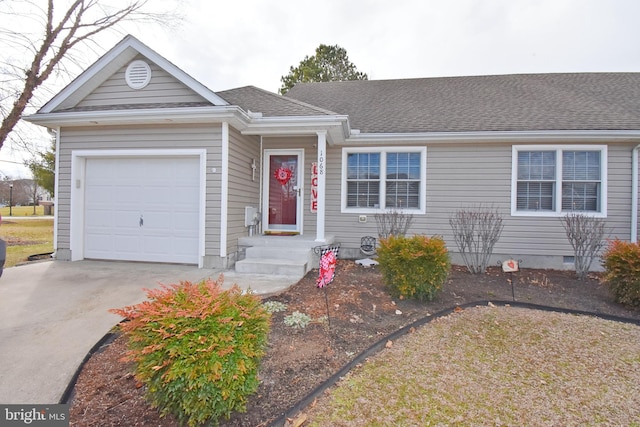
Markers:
(495, 366)
(21, 211)
(26, 237)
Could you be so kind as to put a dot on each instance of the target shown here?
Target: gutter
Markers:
(540, 136)
(634, 194)
(212, 114)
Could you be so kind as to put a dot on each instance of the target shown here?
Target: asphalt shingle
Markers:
(577, 101)
(251, 98)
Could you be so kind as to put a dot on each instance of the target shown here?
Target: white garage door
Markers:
(142, 209)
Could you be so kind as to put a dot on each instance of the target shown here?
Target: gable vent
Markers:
(138, 74)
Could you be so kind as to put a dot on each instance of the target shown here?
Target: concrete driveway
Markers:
(52, 313)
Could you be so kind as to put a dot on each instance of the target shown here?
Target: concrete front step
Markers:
(282, 241)
(285, 267)
(300, 254)
(278, 255)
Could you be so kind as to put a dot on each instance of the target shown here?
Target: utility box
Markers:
(251, 218)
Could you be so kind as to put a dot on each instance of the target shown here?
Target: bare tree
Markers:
(34, 193)
(61, 31)
(586, 234)
(393, 223)
(476, 231)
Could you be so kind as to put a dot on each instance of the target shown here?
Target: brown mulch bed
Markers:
(361, 313)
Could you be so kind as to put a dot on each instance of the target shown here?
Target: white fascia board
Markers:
(127, 49)
(307, 124)
(498, 136)
(133, 116)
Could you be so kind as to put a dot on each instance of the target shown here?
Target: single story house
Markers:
(154, 166)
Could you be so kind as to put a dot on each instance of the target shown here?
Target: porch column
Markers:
(322, 175)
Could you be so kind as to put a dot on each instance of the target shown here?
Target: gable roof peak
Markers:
(115, 58)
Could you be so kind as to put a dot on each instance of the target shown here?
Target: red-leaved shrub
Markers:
(621, 261)
(197, 348)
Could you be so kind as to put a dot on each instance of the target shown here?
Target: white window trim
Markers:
(558, 182)
(383, 167)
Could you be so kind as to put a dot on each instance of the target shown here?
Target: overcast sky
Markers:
(254, 42)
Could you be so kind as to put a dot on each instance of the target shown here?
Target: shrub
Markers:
(297, 320)
(393, 223)
(197, 348)
(586, 236)
(414, 267)
(476, 231)
(621, 261)
(274, 306)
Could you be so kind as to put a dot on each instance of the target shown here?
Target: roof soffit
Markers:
(247, 123)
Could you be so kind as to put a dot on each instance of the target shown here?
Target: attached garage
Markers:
(138, 208)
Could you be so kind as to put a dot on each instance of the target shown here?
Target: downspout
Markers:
(56, 134)
(224, 191)
(634, 194)
(260, 190)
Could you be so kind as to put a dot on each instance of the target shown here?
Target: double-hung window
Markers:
(383, 178)
(553, 180)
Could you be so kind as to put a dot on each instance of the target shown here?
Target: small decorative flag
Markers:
(327, 268)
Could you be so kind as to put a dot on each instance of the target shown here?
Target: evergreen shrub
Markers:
(414, 267)
(197, 348)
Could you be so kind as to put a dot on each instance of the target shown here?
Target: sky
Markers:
(229, 44)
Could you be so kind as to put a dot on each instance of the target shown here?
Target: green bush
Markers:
(274, 306)
(414, 267)
(621, 261)
(197, 348)
(297, 320)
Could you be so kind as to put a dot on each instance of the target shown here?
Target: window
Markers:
(363, 180)
(383, 178)
(581, 181)
(536, 180)
(549, 181)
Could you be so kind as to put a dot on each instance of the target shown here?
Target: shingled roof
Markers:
(251, 98)
(522, 102)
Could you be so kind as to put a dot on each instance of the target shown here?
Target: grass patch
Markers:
(495, 366)
(26, 237)
(21, 211)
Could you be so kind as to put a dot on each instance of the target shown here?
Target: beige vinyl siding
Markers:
(619, 188)
(463, 175)
(163, 88)
(244, 185)
(141, 137)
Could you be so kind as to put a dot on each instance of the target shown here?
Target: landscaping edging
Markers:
(320, 389)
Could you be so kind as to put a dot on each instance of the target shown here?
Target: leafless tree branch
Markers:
(81, 21)
(586, 235)
(476, 231)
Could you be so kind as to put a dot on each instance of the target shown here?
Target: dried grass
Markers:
(496, 366)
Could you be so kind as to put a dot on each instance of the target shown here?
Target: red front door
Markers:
(283, 188)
